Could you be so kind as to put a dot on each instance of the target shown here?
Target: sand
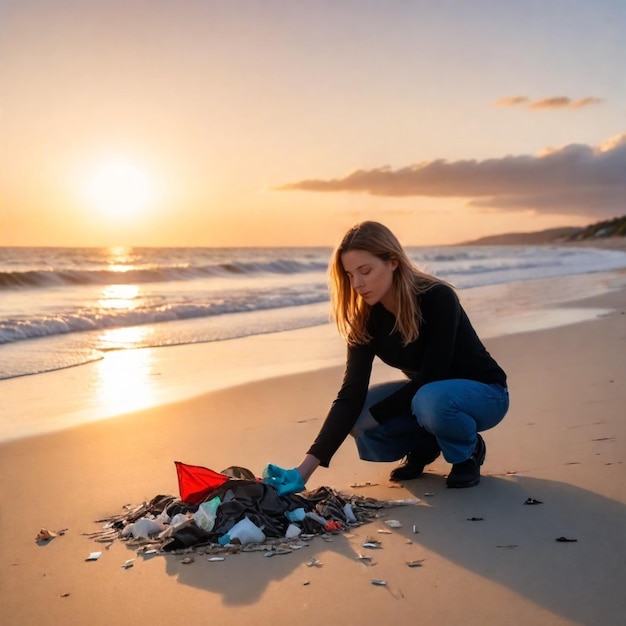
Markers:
(562, 443)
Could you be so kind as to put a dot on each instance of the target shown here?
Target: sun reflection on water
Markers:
(126, 381)
(120, 297)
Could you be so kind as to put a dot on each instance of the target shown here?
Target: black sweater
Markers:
(447, 347)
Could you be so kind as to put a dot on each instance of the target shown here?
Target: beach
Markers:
(487, 557)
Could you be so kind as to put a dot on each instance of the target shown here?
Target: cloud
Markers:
(576, 178)
(556, 102)
(510, 101)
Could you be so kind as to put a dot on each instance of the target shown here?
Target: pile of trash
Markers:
(233, 511)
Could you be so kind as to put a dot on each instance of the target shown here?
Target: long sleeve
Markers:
(347, 406)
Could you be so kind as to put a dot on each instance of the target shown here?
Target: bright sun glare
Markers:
(119, 188)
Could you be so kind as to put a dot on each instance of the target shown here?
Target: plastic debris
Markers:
(378, 582)
(383, 531)
(292, 531)
(128, 563)
(188, 560)
(147, 552)
(475, 519)
(205, 515)
(245, 531)
(393, 523)
(143, 528)
(364, 558)
(282, 549)
(415, 563)
(215, 559)
(566, 540)
(94, 556)
(510, 546)
(531, 501)
(428, 494)
(333, 526)
(349, 513)
(403, 502)
(313, 562)
(415, 531)
(372, 544)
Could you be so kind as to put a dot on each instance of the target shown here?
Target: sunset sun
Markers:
(119, 188)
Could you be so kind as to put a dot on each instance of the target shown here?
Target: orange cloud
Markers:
(556, 102)
(575, 178)
(510, 101)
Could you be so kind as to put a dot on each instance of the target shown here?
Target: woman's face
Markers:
(370, 277)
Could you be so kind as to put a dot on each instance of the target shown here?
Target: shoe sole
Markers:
(483, 451)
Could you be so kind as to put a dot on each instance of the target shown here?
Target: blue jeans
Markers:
(450, 411)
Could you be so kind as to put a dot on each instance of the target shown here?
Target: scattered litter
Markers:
(364, 559)
(415, 531)
(383, 531)
(511, 473)
(278, 550)
(313, 562)
(531, 501)
(94, 556)
(371, 543)
(65, 595)
(428, 494)
(143, 528)
(603, 439)
(510, 545)
(306, 582)
(128, 563)
(147, 552)
(45, 535)
(378, 582)
(188, 560)
(566, 539)
(475, 519)
(360, 485)
(403, 502)
(393, 523)
(215, 559)
(416, 563)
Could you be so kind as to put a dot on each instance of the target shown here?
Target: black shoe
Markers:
(467, 473)
(414, 464)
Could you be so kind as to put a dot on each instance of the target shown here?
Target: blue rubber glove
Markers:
(285, 481)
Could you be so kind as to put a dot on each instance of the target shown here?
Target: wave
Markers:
(46, 326)
(32, 279)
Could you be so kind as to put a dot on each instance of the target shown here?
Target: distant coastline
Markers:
(609, 235)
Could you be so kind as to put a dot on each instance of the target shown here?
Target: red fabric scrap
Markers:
(195, 483)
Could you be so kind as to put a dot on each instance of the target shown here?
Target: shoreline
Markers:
(130, 380)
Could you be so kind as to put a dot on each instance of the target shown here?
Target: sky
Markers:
(283, 123)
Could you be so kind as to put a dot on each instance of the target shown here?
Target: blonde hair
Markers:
(350, 311)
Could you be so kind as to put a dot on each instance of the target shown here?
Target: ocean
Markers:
(63, 307)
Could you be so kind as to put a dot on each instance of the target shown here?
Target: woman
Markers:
(386, 307)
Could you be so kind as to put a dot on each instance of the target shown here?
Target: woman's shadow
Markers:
(492, 532)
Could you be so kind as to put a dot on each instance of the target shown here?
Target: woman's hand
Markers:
(308, 466)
